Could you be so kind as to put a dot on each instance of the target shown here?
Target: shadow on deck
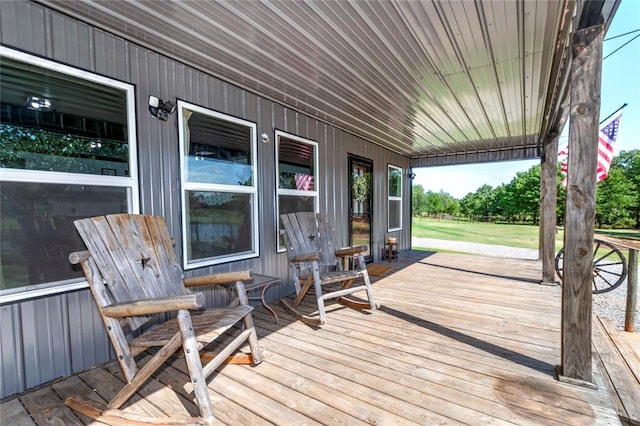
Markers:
(458, 339)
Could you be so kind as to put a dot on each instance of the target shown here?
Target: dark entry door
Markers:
(361, 202)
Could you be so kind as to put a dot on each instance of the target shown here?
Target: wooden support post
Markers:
(632, 291)
(548, 198)
(580, 208)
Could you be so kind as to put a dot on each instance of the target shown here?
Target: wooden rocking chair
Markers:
(314, 260)
(133, 273)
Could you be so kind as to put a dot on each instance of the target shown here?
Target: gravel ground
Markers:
(611, 304)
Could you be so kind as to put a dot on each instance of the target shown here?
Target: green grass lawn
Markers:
(632, 234)
(522, 236)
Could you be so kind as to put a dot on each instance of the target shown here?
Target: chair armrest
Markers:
(347, 251)
(78, 257)
(154, 306)
(221, 278)
(305, 257)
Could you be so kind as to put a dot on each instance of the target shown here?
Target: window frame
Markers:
(391, 198)
(215, 187)
(131, 182)
(294, 192)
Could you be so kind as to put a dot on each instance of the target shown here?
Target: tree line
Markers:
(617, 198)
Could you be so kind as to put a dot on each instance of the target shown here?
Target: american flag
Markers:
(606, 138)
(304, 182)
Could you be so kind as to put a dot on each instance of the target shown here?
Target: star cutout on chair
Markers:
(145, 261)
(311, 237)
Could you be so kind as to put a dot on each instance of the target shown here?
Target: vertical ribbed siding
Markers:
(50, 337)
(11, 348)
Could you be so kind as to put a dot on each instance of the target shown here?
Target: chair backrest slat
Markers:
(134, 255)
(308, 232)
(327, 241)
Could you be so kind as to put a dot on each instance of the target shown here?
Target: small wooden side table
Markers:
(390, 251)
(256, 289)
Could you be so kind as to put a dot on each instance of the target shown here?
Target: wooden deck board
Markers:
(420, 400)
(73, 386)
(459, 339)
(414, 362)
(107, 386)
(170, 403)
(46, 407)
(619, 362)
(233, 414)
(13, 413)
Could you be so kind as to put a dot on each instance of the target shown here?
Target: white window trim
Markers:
(199, 186)
(130, 182)
(294, 192)
(394, 198)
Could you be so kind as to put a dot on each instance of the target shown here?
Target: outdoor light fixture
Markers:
(265, 138)
(37, 103)
(160, 109)
(411, 175)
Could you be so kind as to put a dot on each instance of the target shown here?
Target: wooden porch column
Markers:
(548, 199)
(580, 207)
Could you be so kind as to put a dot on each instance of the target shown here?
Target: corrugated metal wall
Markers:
(50, 337)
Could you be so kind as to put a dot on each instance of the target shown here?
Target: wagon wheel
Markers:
(609, 266)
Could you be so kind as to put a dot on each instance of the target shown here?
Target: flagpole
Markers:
(613, 113)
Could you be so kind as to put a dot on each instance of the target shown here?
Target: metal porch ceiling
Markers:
(426, 79)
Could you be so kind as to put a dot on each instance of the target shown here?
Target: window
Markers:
(297, 175)
(67, 151)
(395, 197)
(219, 187)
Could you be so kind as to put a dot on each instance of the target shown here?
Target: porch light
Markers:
(37, 103)
(160, 109)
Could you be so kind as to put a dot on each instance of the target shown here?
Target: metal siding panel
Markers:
(251, 110)
(290, 121)
(45, 340)
(110, 55)
(278, 117)
(258, 110)
(72, 42)
(24, 25)
(323, 170)
(267, 194)
(152, 133)
(233, 102)
(335, 174)
(11, 348)
(167, 182)
(88, 341)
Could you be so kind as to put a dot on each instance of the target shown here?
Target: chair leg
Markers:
(247, 322)
(192, 357)
(367, 281)
(367, 284)
(256, 354)
(317, 284)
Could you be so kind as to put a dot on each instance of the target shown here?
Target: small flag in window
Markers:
(304, 182)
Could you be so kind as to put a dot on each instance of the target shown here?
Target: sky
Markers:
(620, 84)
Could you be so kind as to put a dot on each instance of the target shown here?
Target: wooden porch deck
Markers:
(459, 339)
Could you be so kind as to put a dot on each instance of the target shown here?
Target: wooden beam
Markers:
(632, 291)
(548, 199)
(580, 207)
